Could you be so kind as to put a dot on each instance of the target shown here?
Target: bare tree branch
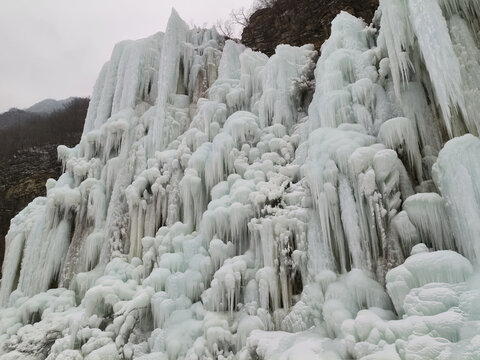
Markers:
(225, 28)
(240, 18)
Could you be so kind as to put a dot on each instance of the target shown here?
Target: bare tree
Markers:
(240, 18)
(226, 28)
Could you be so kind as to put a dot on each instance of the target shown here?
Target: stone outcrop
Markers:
(299, 22)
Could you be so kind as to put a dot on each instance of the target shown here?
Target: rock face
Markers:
(22, 178)
(28, 155)
(299, 22)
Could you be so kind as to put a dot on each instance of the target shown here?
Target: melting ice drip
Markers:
(226, 205)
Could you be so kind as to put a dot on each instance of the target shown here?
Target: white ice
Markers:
(222, 204)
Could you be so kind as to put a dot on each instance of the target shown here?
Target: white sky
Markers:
(55, 48)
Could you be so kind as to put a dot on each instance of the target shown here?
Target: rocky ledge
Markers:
(299, 22)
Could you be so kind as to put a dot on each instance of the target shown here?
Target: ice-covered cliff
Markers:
(226, 205)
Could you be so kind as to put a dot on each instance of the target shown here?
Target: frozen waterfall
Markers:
(222, 204)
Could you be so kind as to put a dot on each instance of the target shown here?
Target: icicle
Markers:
(456, 174)
(427, 212)
(398, 132)
(170, 67)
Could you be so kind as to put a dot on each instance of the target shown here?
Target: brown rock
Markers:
(299, 22)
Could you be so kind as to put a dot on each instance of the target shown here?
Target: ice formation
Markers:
(226, 205)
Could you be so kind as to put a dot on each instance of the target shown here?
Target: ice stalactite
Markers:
(427, 212)
(424, 41)
(277, 105)
(399, 133)
(347, 89)
(226, 205)
(22, 227)
(456, 174)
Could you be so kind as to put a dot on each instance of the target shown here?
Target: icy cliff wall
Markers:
(28, 153)
(223, 204)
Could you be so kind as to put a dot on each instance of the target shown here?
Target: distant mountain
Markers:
(48, 106)
(16, 116)
(39, 110)
(50, 122)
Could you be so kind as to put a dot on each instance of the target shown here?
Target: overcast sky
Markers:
(55, 48)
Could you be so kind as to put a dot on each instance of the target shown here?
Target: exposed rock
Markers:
(299, 22)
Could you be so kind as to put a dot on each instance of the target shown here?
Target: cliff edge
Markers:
(299, 22)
